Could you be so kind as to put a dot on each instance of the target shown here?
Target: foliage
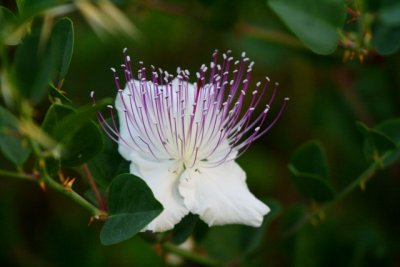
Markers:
(337, 60)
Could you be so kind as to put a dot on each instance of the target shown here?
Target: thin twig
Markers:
(363, 178)
(187, 254)
(67, 191)
(94, 187)
(24, 176)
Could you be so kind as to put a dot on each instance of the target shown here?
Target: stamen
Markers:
(208, 121)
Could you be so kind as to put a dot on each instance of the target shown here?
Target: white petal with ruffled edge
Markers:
(220, 195)
(162, 177)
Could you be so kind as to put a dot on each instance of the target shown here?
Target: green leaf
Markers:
(75, 120)
(20, 5)
(132, 206)
(108, 163)
(11, 144)
(80, 144)
(315, 23)
(38, 62)
(309, 170)
(311, 158)
(200, 231)
(62, 40)
(184, 229)
(29, 8)
(390, 15)
(386, 38)
(376, 143)
(386, 30)
(311, 186)
(33, 67)
(384, 138)
(391, 129)
(7, 20)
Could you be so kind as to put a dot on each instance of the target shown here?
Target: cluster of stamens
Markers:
(167, 117)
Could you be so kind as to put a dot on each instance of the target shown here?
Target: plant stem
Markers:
(63, 189)
(97, 213)
(93, 185)
(67, 191)
(187, 254)
(364, 177)
(17, 175)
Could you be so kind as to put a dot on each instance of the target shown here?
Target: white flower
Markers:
(182, 139)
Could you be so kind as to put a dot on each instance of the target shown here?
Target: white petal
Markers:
(220, 195)
(125, 141)
(162, 177)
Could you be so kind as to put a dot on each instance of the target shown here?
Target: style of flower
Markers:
(182, 139)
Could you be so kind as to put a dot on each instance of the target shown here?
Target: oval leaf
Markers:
(390, 15)
(376, 143)
(80, 143)
(391, 128)
(310, 158)
(386, 38)
(132, 206)
(33, 67)
(311, 186)
(11, 144)
(184, 229)
(314, 23)
(62, 40)
(75, 120)
(7, 20)
(309, 171)
(383, 138)
(108, 163)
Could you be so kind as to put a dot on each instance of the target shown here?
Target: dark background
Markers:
(328, 95)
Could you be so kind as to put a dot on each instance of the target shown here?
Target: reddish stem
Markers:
(93, 185)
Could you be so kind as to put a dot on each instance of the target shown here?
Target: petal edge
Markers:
(220, 196)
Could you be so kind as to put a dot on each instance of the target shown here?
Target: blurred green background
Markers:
(328, 96)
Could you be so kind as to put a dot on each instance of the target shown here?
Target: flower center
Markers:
(211, 122)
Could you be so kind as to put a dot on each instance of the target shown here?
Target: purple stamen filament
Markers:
(207, 122)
